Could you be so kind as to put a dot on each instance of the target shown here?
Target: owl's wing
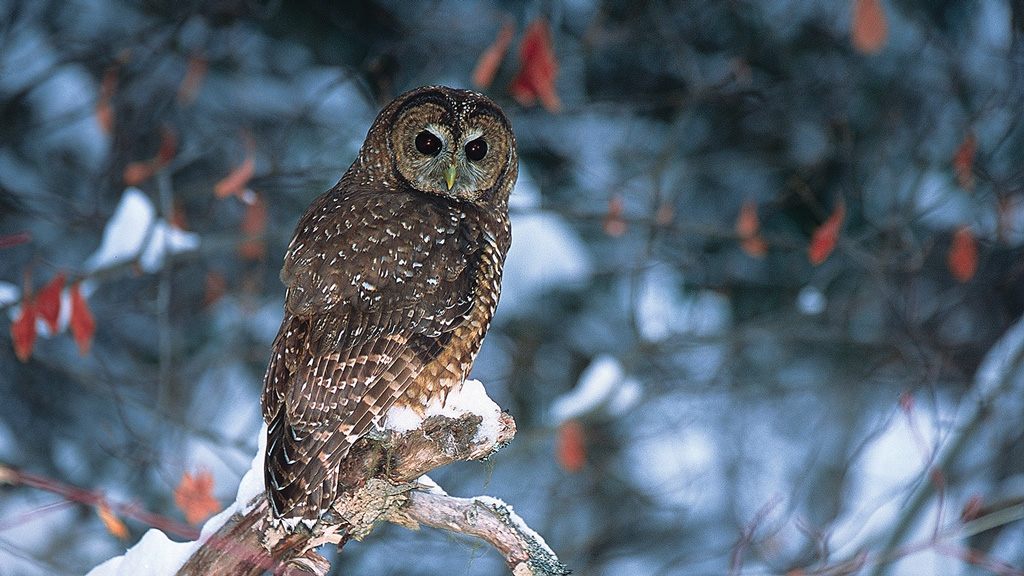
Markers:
(376, 285)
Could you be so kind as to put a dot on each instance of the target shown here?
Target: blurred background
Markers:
(761, 314)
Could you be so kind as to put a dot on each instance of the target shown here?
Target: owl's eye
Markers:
(427, 143)
(476, 150)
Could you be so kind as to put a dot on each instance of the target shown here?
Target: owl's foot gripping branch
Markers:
(384, 480)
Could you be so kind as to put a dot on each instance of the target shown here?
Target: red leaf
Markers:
(15, 239)
(83, 324)
(963, 254)
(48, 302)
(487, 65)
(138, 172)
(664, 214)
(748, 229)
(113, 524)
(614, 224)
(824, 239)
(194, 497)
(869, 26)
(571, 447)
(104, 108)
(963, 161)
(23, 329)
(168, 147)
(195, 73)
(216, 286)
(538, 68)
(235, 182)
(142, 170)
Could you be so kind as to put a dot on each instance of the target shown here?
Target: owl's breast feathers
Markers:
(389, 296)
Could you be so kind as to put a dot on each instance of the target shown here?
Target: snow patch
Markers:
(9, 293)
(154, 555)
(545, 253)
(470, 398)
(134, 232)
(603, 385)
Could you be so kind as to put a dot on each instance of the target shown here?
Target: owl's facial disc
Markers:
(450, 150)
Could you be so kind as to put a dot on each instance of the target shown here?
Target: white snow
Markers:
(157, 555)
(471, 398)
(135, 232)
(125, 232)
(518, 522)
(810, 300)
(545, 253)
(602, 385)
(166, 239)
(9, 293)
(1000, 358)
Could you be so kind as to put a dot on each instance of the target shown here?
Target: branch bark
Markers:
(380, 474)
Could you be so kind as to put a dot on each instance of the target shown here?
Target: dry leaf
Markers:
(234, 184)
(869, 26)
(571, 447)
(614, 224)
(487, 65)
(538, 68)
(748, 229)
(83, 324)
(23, 329)
(113, 524)
(195, 73)
(194, 497)
(104, 106)
(963, 161)
(48, 302)
(824, 239)
(963, 254)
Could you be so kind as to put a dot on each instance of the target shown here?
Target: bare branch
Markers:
(381, 475)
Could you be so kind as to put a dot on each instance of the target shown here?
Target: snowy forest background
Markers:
(762, 312)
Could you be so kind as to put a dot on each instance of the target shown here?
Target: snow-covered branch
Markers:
(385, 476)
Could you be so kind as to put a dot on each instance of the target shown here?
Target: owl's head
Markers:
(444, 141)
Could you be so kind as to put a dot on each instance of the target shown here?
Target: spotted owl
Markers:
(392, 278)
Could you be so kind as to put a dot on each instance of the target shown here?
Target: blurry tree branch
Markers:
(381, 475)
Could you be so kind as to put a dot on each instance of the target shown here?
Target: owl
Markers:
(392, 279)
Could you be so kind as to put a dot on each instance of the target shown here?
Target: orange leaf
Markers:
(104, 108)
(254, 223)
(235, 182)
(869, 26)
(748, 229)
(614, 224)
(194, 497)
(487, 65)
(83, 324)
(665, 214)
(48, 302)
(113, 524)
(216, 286)
(23, 329)
(168, 147)
(571, 447)
(963, 161)
(824, 239)
(963, 254)
(195, 73)
(538, 68)
(138, 172)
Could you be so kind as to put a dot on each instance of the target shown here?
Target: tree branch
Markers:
(381, 474)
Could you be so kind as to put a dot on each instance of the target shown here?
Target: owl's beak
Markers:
(449, 176)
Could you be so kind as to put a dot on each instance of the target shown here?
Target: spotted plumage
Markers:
(392, 279)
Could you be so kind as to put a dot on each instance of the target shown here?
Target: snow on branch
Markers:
(384, 480)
